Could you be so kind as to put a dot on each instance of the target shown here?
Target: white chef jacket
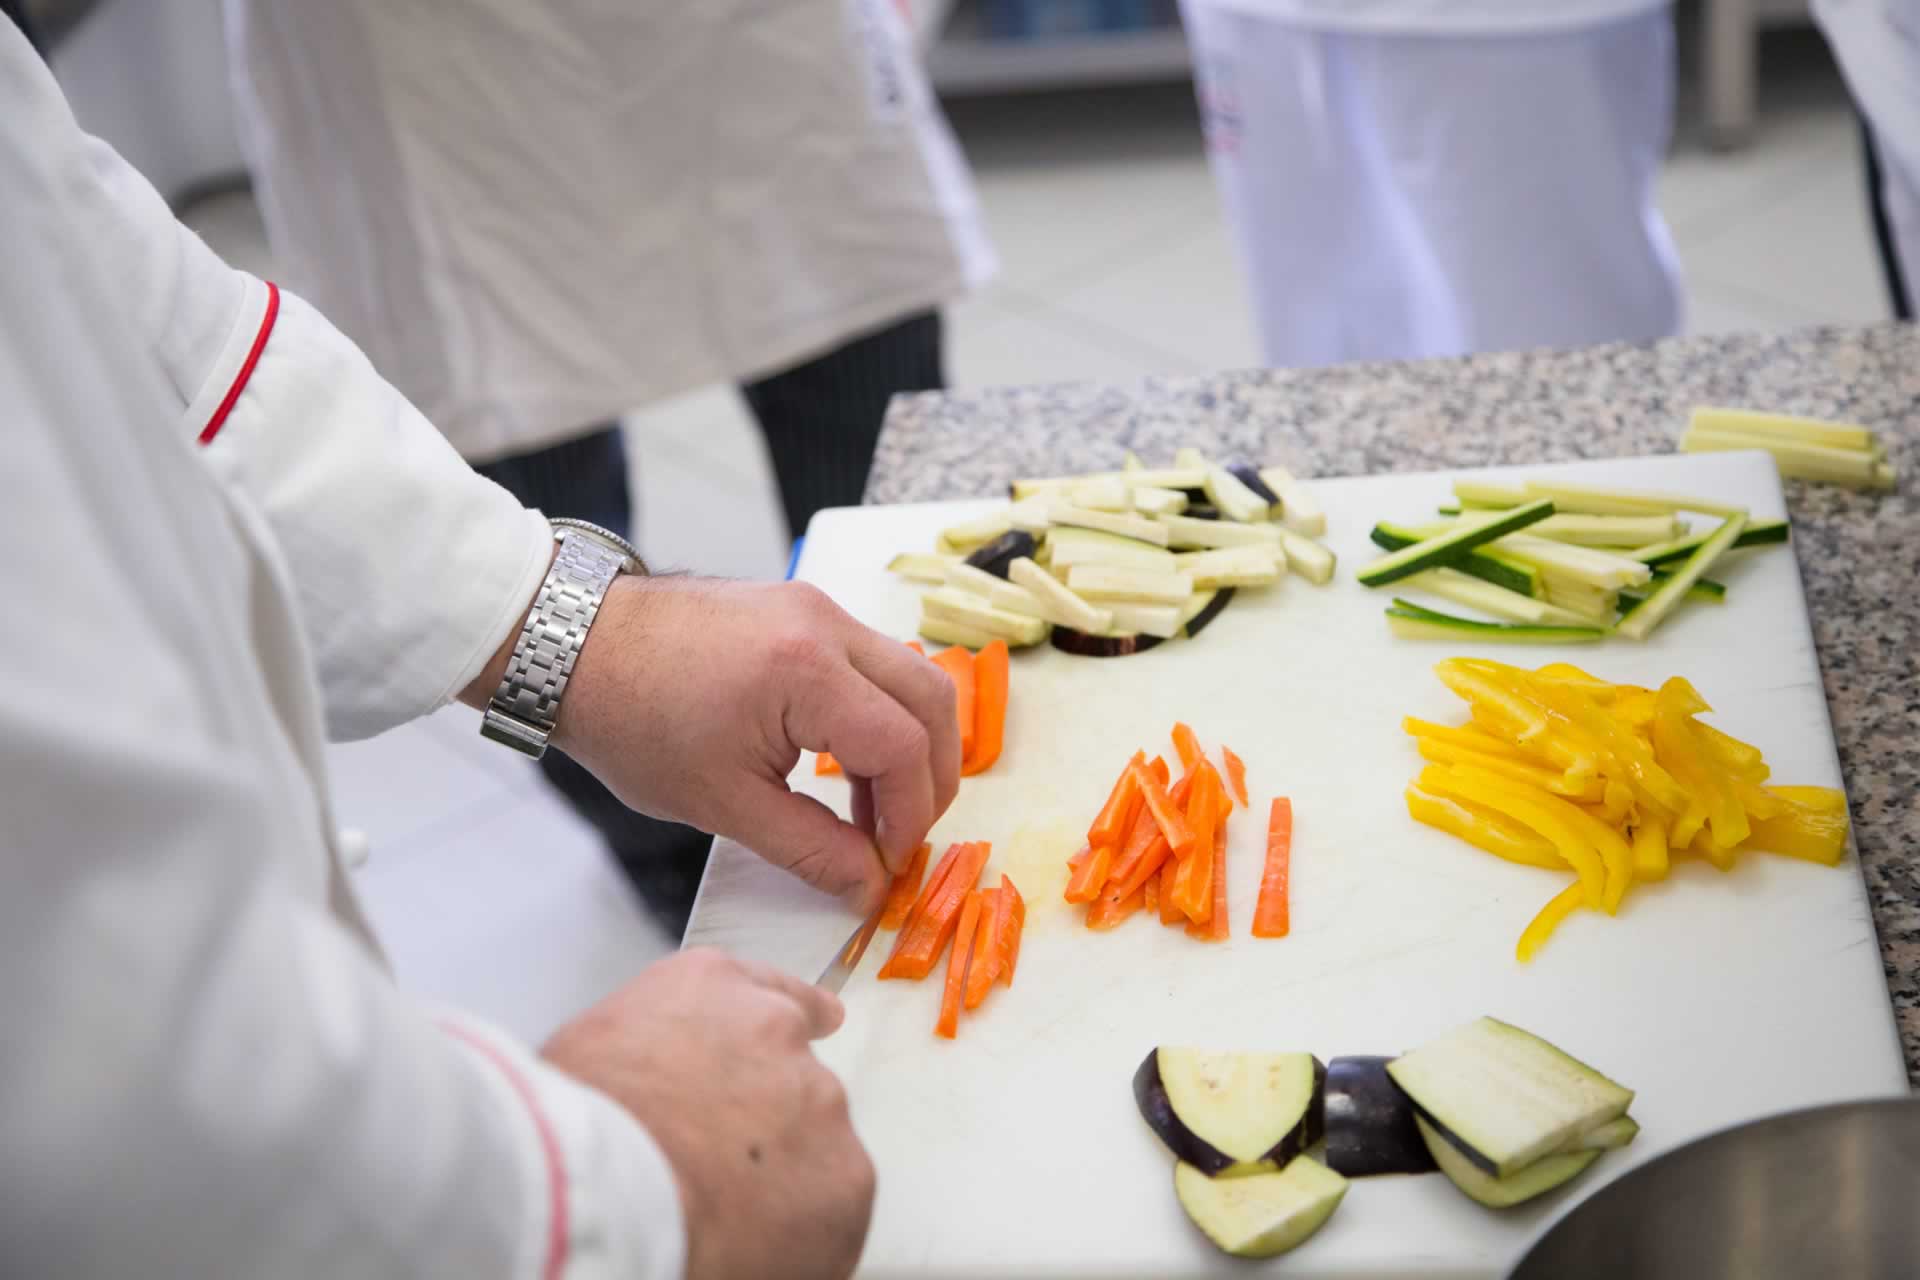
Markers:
(536, 217)
(1441, 17)
(1877, 43)
(221, 534)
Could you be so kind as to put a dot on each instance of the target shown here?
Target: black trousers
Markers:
(821, 420)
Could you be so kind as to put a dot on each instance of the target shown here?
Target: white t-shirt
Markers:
(1442, 17)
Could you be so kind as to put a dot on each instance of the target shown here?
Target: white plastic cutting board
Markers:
(1016, 1150)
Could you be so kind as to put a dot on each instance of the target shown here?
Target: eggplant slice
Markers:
(1370, 1123)
(1215, 607)
(1083, 645)
(1504, 1097)
(1536, 1179)
(1231, 1113)
(1250, 477)
(1263, 1215)
(997, 555)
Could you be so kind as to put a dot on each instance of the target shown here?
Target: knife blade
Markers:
(847, 959)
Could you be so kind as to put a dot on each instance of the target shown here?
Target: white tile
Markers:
(708, 518)
(522, 918)
(404, 785)
(989, 344)
(1187, 299)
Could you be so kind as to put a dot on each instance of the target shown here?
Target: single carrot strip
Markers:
(1010, 911)
(932, 921)
(1146, 849)
(1087, 882)
(1193, 885)
(1236, 774)
(1165, 812)
(1187, 745)
(942, 870)
(986, 951)
(958, 664)
(1079, 859)
(915, 646)
(1215, 929)
(1110, 828)
(1152, 891)
(989, 708)
(1106, 915)
(1270, 912)
(949, 1023)
(824, 764)
(1170, 912)
(905, 890)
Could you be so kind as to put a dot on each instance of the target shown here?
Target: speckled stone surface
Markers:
(1859, 554)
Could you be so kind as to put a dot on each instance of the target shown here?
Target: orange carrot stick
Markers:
(1146, 849)
(958, 664)
(1215, 929)
(1270, 912)
(989, 708)
(934, 916)
(986, 950)
(905, 890)
(1079, 859)
(1193, 884)
(1170, 912)
(1236, 774)
(1152, 891)
(1165, 812)
(1187, 745)
(1011, 910)
(824, 764)
(1110, 828)
(949, 1022)
(1087, 882)
(1104, 915)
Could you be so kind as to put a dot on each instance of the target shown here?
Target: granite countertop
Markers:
(1859, 553)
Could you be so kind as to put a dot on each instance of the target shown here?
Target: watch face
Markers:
(564, 528)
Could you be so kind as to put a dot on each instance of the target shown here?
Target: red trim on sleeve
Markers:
(557, 1212)
(219, 418)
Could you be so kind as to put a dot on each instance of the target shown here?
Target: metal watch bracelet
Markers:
(525, 707)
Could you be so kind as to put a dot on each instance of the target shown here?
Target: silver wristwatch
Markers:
(527, 703)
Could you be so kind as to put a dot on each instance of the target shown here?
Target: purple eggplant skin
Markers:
(1082, 645)
(1215, 607)
(1369, 1122)
(1250, 477)
(1150, 1095)
(997, 557)
(1202, 510)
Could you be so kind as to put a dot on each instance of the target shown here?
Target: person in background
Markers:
(1877, 43)
(1413, 178)
(228, 539)
(535, 217)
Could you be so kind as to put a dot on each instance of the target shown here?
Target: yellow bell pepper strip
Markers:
(1470, 738)
(1760, 802)
(1650, 849)
(1733, 755)
(1549, 815)
(1614, 740)
(1813, 827)
(1520, 720)
(1615, 853)
(1441, 752)
(1483, 829)
(1541, 927)
(1674, 738)
(1635, 710)
(1529, 729)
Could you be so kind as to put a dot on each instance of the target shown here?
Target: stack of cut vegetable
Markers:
(1505, 1115)
(1164, 849)
(1561, 770)
(1115, 563)
(981, 686)
(1558, 563)
(984, 926)
(1803, 448)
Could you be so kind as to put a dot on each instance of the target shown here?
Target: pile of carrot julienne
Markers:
(980, 704)
(1164, 848)
(984, 925)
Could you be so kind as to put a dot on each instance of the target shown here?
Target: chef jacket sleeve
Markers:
(410, 569)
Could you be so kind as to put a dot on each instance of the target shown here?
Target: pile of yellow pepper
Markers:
(1562, 770)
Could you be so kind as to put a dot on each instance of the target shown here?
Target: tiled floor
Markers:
(1116, 265)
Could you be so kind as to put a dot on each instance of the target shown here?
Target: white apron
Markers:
(1877, 43)
(536, 216)
(1407, 180)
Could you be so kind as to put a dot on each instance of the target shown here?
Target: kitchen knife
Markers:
(847, 959)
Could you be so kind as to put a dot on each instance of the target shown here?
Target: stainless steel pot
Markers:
(1833, 1192)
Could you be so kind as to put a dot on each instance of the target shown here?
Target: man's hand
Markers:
(712, 1056)
(693, 700)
